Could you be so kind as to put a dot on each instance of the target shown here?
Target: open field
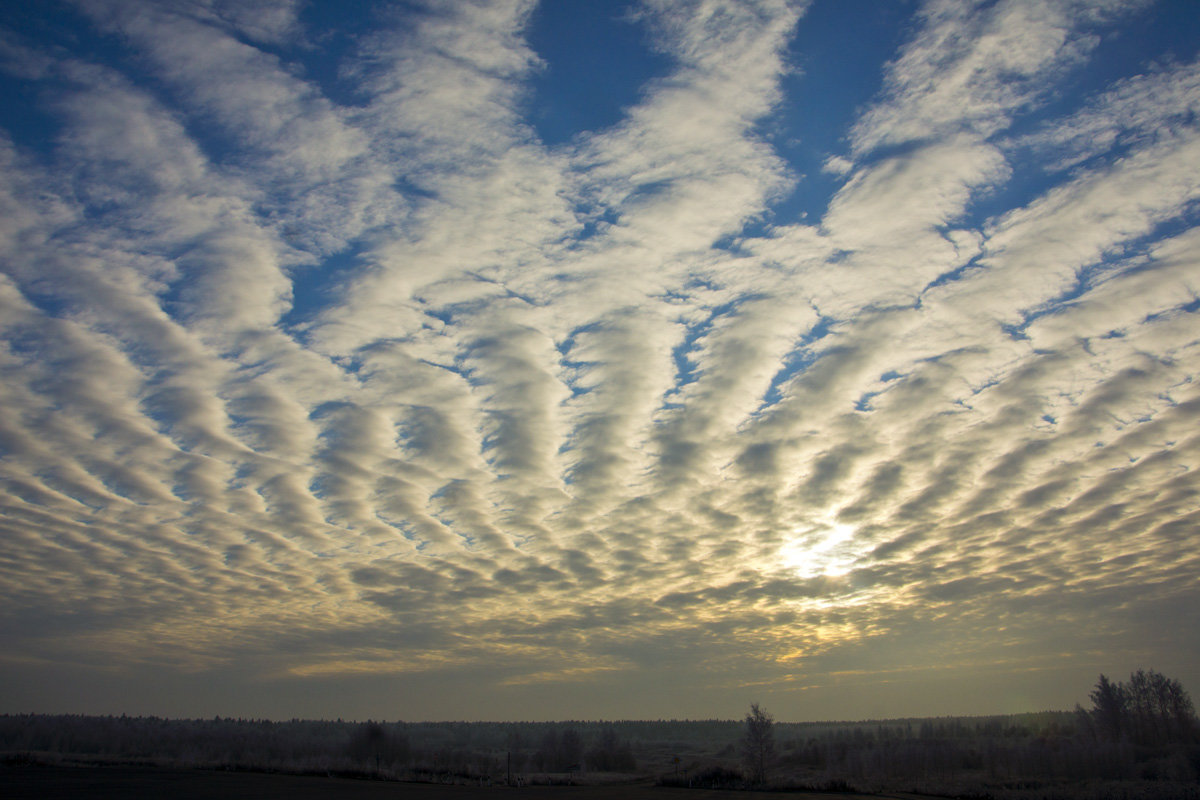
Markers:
(135, 783)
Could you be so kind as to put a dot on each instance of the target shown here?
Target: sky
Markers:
(496, 359)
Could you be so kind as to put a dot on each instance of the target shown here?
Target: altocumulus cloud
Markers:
(333, 385)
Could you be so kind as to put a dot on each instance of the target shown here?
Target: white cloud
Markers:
(974, 65)
(1140, 109)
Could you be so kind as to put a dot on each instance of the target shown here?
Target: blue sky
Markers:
(516, 360)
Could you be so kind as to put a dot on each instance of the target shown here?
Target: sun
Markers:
(827, 549)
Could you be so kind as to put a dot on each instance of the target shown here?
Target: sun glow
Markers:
(827, 549)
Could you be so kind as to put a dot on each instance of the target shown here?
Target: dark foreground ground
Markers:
(138, 783)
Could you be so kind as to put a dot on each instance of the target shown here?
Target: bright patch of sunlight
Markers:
(827, 548)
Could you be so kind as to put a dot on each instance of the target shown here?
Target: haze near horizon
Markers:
(500, 359)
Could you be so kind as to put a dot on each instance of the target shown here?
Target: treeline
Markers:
(1139, 738)
(523, 747)
(1150, 710)
(422, 751)
(957, 754)
(960, 754)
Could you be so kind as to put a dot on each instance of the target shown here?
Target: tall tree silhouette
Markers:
(1108, 708)
(758, 743)
(1151, 709)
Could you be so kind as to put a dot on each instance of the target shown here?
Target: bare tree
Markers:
(758, 743)
(1160, 708)
(1151, 709)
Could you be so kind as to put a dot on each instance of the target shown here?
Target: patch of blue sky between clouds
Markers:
(1131, 258)
(687, 370)
(597, 61)
(32, 80)
(827, 85)
(89, 52)
(1170, 31)
(1161, 34)
(331, 40)
(317, 287)
(799, 360)
(24, 118)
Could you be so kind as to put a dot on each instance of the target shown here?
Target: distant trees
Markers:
(560, 752)
(758, 743)
(373, 744)
(611, 754)
(570, 750)
(942, 756)
(1151, 709)
(368, 742)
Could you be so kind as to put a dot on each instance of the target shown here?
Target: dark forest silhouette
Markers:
(1139, 738)
(1150, 710)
